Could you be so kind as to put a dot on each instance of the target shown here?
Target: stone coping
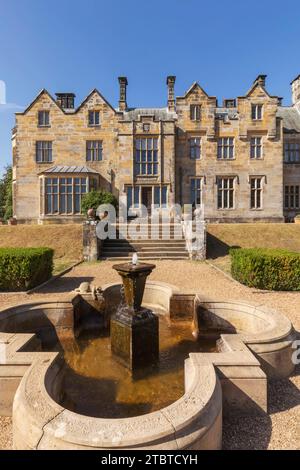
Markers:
(50, 426)
(277, 326)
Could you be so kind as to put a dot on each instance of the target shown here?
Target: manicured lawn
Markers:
(221, 237)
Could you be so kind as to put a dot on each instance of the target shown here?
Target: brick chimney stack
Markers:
(171, 97)
(123, 89)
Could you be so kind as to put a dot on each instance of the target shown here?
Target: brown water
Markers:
(97, 385)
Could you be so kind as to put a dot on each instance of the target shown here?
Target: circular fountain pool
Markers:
(179, 405)
(96, 384)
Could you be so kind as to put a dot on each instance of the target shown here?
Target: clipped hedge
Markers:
(24, 268)
(268, 269)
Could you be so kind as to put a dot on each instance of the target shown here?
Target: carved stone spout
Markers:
(134, 280)
(134, 329)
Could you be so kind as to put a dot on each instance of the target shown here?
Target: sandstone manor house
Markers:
(241, 159)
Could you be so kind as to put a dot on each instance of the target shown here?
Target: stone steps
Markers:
(146, 250)
(151, 243)
(144, 257)
(141, 243)
(141, 249)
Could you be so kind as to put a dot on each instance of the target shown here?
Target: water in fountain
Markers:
(96, 383)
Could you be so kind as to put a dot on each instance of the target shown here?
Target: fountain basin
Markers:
(233, 380)
(193, 421)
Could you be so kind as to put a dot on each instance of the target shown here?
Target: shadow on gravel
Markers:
(254, 432)
(63, 284)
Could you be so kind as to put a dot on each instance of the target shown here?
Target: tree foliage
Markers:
(94, 199)
(6, 210)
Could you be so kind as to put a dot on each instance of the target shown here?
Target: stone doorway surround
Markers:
(147, 197)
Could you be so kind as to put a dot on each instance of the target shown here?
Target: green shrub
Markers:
(94, 199)
(269, 269)
(24, 268)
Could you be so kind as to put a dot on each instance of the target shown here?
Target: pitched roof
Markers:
(42, 92)
(192, 87)
(65, 111)
(69, 169)
(159, 114)
(88, 97)
(291, 118)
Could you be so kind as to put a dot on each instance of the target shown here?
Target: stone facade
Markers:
(186, 159)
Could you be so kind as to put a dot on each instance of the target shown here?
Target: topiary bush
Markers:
(94, 199)
(263, 268)
(24, 268)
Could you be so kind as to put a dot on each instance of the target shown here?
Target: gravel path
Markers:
(280, 429)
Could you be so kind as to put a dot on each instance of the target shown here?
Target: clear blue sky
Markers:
(79, 45)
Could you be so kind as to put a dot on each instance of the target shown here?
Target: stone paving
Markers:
(280, 429)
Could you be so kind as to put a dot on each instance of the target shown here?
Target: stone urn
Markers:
(91, 213)
(12, 221)
(297, 219)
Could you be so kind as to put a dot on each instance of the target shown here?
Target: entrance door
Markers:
(147, 197)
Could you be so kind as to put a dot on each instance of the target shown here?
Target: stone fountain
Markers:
(134, 329)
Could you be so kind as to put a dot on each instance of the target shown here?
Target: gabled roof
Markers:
(44, 91)
(192, 87)
(88, 97)
(297, 78)
(255, 85)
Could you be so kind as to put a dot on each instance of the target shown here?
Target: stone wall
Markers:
(208, 167)
(69, 132)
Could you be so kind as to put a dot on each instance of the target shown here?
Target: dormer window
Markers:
(256, 112)
(195, 112)
(65, 100)
(43, 119)
(94, 118)
(229, 103)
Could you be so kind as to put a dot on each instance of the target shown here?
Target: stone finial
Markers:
(123, 91)
(260, 80)
(84, 288)
(171, 97)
